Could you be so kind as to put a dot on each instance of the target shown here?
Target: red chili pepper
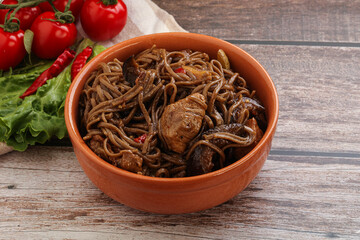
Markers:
(80, 61)
(180, 70)
(55, 69)
(141, 139)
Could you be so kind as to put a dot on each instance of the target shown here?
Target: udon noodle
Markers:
(170, 113)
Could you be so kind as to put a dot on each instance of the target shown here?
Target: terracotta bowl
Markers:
(181, 195)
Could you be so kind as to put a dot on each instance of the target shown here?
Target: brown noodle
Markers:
(114, 113)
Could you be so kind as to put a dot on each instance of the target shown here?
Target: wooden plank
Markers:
(296, 20)
(309, 186)
(45, 194)
(319, 94)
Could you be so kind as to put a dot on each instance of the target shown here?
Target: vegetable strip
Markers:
(55, 69)
(80, 61)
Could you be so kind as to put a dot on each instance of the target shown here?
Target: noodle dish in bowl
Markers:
(172, 122)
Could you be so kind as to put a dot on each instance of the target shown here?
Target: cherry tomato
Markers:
(51, 38)
(102, 22)
(26, 15)
(12, 50)
(75, 6)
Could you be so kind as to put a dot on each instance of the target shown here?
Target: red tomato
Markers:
(75, 6)
(26, 15)
(51, 38)
(12, 50)
(102, 22)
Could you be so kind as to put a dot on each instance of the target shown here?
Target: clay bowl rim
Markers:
(78, 83)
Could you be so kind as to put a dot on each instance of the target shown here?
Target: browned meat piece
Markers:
(181, 121)
(241, 152)
(252, 123)
(253, 106)
(131, 70)
(96, 144)
(129, 161)
(255, 109)
(202, 159)
(203, 75)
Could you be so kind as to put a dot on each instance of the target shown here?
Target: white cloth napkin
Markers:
(144, 17)
(4, 148)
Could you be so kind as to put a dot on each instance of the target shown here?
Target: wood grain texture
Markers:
(45, 194)
(308, 187)
(286, 20)
(319, 94)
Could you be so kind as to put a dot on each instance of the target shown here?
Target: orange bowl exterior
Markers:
(180, 195)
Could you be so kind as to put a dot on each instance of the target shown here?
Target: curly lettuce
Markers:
(39, 117)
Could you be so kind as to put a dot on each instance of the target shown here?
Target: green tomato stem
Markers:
(63, 17)
(9, 25)
(22, 4)
(109, 2)
(67, 7)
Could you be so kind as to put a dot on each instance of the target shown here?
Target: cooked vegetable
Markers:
(180, 70)
(12, 50)
(54, 70)
(52, 35)
(80, 61)
(26, 15)
(103, 19)
(223, 59)
(141, 139)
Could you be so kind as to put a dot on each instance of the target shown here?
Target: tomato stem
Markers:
(62, 17)
(9, 24)
(67, 7)
(109, 2)
(22, 4)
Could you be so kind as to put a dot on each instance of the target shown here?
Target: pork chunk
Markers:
(129, 161)
(182, 120)
(96, 144)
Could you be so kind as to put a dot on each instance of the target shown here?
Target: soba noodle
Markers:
(120, 118)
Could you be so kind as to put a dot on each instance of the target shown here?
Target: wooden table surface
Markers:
(309, 187)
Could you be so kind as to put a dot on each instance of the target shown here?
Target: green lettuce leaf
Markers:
(38, 117)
